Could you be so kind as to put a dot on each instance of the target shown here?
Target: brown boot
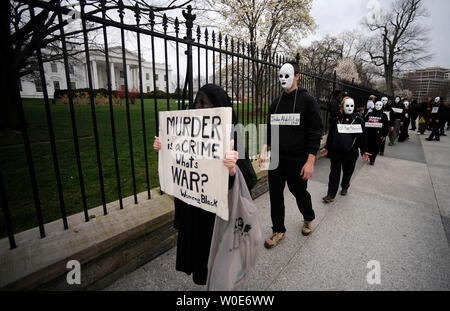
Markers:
(307, 227)
(274, 239)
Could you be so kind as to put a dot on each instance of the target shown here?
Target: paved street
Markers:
(396, 212)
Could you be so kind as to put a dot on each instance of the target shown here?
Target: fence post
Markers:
(189, 73)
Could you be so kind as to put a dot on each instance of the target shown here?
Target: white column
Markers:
(113, 77)
(129, 78)
(137, 78)
(94, 75)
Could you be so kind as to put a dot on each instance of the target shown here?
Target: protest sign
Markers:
(190, 162)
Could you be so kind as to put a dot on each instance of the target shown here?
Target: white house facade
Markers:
(31, 87)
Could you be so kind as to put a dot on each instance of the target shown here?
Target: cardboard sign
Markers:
(397, 110)
(349, 128)
(435, 110)
(285, 119)
(190, 162)
(374, 124)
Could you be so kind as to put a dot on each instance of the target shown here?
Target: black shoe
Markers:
(372, 163)
(327, 199)
(437, 139)
(429, 139)
(344, 191)
(381, 153)
(443, 134)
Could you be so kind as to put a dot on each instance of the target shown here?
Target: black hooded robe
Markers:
(195, 226)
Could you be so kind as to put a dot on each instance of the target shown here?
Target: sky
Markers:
(334, 17)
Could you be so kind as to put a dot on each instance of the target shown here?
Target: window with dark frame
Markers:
(38, 85)
(71, 70)
(54, 67)
(156, 77)
(147, 76)
(56, 85)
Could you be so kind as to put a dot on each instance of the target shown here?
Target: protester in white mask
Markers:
(437, 116)
(299, 141)
(405, 122)
(345, 136)
(377, 128)
(396, 120)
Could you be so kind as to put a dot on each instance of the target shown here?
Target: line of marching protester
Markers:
(218, 251)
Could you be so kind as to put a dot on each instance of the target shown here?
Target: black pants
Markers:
(413, 121)
(339, 162)
(435, 127)
(404, 131)
(288, 171)
(374, 145)
(382, 146)
(442, 127)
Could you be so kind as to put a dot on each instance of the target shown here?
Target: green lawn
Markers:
(15, 169)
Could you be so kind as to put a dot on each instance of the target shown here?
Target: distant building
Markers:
(31, 87)
(433, 81)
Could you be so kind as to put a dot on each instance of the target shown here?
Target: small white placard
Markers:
(388, 114)
(435, 110)
(285, 119)
(349, 128)
(397, 110)
(374, 124)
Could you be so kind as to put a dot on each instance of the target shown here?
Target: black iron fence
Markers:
(122, 162)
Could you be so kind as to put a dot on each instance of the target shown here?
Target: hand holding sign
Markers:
(230, 159)
(157, 144)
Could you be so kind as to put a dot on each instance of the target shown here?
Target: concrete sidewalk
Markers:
(396, 212)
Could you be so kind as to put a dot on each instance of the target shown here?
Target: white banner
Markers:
(190, 162)
(285, 119)
(374, 124)
(397, 110)
(349, 128)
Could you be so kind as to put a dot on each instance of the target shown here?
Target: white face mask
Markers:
(384, 100)
(437, 100)
(397, 100)
(379, 106)
(287, 75)
(349, 106)
(406, 104)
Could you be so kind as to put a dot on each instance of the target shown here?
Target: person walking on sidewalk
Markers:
(414, 108)
(345, 137)
(377, 128)
(437, 115)
(397, 114)
(444, 117)
(386, 111)
(404, 135)
(297, 116)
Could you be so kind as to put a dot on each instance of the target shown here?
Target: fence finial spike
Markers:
(137, 12)
(164, 22)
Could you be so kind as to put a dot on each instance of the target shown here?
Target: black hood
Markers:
(217, 96)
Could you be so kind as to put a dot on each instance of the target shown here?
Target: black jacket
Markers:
(439, 114)
(297, 141)
(396, 115)
(346, 144)
(377, 117)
